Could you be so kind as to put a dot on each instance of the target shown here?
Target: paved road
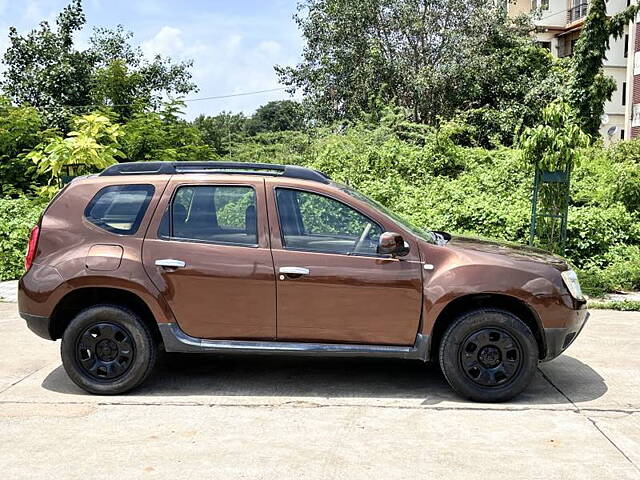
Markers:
(256, 417)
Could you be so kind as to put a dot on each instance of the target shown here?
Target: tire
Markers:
(108, 350)
(488, 355)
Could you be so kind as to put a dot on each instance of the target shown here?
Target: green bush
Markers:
(17, 217)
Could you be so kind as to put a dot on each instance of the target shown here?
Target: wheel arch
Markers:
(79, 299)
(469, 302)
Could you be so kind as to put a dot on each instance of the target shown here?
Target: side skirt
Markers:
(175, 340)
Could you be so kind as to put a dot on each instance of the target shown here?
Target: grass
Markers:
(623, 306)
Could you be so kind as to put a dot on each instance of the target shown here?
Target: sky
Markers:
(234, 44)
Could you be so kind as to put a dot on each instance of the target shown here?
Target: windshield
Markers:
(426, 235)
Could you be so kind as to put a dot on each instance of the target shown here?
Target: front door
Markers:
(332, 285)
(207, 251)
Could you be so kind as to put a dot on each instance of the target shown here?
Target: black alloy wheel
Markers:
(108, 349)
(490, 357)
(105, 351)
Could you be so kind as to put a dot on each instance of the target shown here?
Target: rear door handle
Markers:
(294, 270)
(170, 263)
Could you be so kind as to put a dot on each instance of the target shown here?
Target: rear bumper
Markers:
(38, 325)
(557, 340)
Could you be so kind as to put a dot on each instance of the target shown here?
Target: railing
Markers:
(578, 12)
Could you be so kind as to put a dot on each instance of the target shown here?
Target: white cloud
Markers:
(270, 47)
(168, 42)
(233, 41)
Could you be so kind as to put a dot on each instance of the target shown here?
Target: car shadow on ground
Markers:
(282, 376)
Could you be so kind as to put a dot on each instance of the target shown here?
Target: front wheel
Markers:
(107, 350)
(488, 355)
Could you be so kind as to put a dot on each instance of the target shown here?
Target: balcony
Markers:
(577, 12)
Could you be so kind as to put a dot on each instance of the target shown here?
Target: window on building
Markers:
(541, 4)
(626, 46)
(545, 45)
(573, 45)
(622, 134)
(624, 93)
(635, 115)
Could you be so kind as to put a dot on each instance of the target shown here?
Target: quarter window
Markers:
(309, 221)
(119, 208)
(218, 214)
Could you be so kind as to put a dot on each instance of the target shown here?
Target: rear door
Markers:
(332, 285)
(207, 251)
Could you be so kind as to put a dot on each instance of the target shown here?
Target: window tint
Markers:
(119, 208)
(219, 214)
(309, 221)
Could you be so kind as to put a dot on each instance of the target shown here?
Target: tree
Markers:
(92, 146)
(404, 51)
(505, 85)
(222, 130)
(277, 116)
(553, 147)
(20, 131)
(42, 69)
(127, 82)
(589, 88)
(45, 70)
(163, 135)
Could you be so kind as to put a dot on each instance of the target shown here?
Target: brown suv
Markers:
(255, 258)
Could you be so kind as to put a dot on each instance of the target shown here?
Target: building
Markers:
(559, 23)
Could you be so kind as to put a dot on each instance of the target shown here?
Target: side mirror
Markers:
(391, 243)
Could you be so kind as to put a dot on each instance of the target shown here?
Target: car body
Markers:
(258, 258)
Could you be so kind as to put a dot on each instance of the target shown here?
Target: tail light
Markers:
(31, 249)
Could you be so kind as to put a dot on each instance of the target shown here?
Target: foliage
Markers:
(222, 130)
(552, 146)
(277, 116)
(589, 88)
(92, 146)
(163, 136)
(623, 305)
(425, 174)
(20, 131)
(45, 70)
(555, 143)
(128, 83)
(433, 59)
(17, 217)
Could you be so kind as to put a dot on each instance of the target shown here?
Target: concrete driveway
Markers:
(259, 417)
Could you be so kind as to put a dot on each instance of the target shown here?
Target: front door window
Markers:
(317, 223)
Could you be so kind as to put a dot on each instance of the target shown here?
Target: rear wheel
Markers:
(488, 355)
(107, 349)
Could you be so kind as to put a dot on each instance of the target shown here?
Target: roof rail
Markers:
(173, 168)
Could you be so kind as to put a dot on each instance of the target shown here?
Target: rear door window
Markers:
(119, 208)
(223, 214)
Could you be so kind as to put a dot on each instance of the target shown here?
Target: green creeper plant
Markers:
(588, 87)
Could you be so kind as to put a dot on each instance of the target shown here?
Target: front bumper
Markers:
(557, 340)
(41, 326)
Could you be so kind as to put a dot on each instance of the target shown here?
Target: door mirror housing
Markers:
(391, 243)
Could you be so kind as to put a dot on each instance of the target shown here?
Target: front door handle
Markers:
(170, 263)
(294, 270)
